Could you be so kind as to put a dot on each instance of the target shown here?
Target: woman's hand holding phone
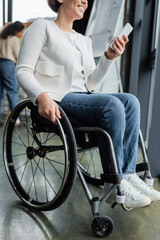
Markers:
(117, 45)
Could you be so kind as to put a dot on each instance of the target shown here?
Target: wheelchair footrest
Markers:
(111, 178)
(120, 199)
(142, 167)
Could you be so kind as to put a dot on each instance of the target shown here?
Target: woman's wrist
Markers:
(41, 96)
(107, 56)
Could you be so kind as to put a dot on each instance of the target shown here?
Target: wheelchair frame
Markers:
(36, 151)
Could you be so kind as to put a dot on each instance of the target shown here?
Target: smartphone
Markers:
(126, 30)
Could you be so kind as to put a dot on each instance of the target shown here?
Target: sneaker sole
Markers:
(131, 204)
(138, 204)
(153, 198)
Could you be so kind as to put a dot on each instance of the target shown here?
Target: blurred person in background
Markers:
(9, 49)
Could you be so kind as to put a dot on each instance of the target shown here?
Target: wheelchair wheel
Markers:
(90, 165)
(41, 166)
(102, 227)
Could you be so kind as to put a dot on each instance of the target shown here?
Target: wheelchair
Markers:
(42, 160)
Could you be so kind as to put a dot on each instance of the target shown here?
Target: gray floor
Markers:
(73, 219)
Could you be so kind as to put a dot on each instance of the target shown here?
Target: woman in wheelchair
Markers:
(56, 65)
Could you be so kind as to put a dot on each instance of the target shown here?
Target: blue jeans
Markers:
(118, 114)
(8, 82)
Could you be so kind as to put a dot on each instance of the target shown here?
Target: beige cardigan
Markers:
(46, 59)
(9, 48)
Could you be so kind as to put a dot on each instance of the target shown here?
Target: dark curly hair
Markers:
(11, 29)
(54, 5)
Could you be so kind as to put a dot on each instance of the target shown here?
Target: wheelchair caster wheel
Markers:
(102, 226)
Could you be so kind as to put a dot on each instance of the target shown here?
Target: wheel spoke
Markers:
(23, 172)
(45, 181)
(20, 138)
(82, 157)
(22, 165)
(26, 126)
(52, 160)
(54, 167)
(90, 165)
(46, 178)
(33, 179)
(47, 139)
(19, 154)
(92, 160)
(20, 144)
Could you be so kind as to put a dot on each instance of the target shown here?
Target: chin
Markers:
(79, 16)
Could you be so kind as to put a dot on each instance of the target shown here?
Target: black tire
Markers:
(102, 227)
(90, 165)
(42, 174)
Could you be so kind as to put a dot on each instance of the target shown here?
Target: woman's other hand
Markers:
(119, 47)
(47, 107)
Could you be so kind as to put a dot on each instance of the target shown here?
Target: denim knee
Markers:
(133, 103)
(114, 114)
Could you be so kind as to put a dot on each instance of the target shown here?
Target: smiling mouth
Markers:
(81, 8)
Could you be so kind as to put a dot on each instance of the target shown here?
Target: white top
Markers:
(78, 79)
(45, 62)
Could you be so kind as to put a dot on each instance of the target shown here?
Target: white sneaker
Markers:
(142, 187)
(133, 198)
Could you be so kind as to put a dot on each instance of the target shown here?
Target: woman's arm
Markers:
(32, 43)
